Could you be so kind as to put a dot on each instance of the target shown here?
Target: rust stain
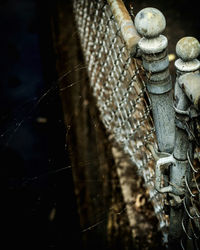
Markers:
(125, 23)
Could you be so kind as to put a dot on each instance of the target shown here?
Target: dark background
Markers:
(39, 207)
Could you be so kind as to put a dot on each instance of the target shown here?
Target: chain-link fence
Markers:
(109, 43)
(116, 80)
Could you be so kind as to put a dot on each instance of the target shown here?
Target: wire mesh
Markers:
(191, 202)
(121, 96)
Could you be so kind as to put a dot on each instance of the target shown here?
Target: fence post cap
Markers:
(188, 48)
(150, 22)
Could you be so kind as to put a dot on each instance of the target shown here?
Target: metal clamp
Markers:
(161, 165)
(180, 165)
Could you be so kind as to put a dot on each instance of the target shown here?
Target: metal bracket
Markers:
(161, 165)
(163, 161)
(191, 112)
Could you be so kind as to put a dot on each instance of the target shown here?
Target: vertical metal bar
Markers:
(150, 23)
(187, 50)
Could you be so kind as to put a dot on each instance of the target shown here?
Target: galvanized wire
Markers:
(191, 203)
(121, 97)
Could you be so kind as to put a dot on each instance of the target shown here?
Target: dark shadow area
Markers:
(39, 208)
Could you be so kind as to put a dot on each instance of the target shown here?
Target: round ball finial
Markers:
(150, 22)
(188, 48)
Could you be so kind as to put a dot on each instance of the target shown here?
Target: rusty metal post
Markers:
(150, 23)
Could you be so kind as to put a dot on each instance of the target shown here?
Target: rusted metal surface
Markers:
(129, 33)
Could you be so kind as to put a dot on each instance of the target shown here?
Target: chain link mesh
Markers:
(121, 97)
(191, 202)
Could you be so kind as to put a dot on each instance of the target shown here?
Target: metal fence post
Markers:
(188, 50)
(180, 174)
(186, 104)
(150, 23)
(109, 45)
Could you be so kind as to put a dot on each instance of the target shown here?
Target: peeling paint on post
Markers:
(150, 23)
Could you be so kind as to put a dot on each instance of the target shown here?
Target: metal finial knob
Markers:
(150, 22)
(188, 48)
